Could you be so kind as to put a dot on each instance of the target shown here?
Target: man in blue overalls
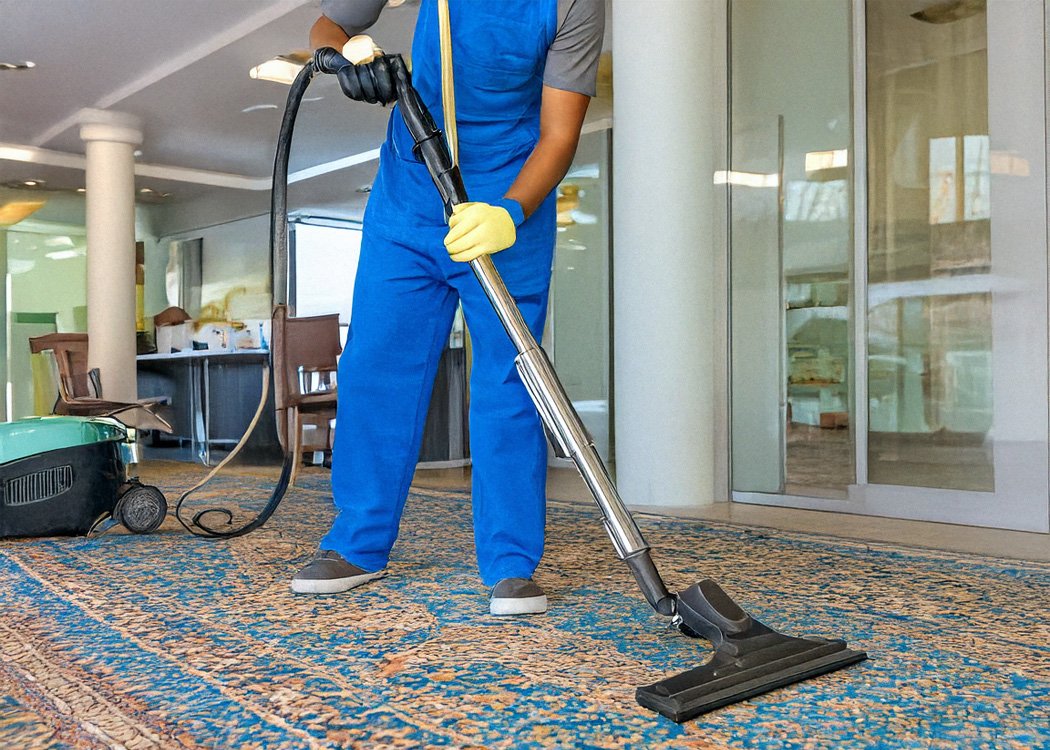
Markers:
(524, 74)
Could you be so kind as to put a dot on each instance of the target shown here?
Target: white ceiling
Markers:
(182, 67)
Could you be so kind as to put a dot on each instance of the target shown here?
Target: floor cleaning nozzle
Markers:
(750, 657)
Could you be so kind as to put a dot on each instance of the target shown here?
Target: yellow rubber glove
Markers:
(477, 229)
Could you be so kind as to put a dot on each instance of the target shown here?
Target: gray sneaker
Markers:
(329, 573)
(517, 596)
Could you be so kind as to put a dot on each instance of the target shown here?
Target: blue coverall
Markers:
(406, 292)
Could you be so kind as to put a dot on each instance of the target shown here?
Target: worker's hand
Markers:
(477, 229)
(368, 77)
(370, 82)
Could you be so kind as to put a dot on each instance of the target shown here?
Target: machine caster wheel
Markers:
(141, 509)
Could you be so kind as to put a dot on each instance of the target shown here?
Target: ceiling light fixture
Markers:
(747, 179)
(280, 69)
(257, 107)
(24, 65)
(13, 212)
(62, 254)
(33, 183)
(151, 193)
(826, 159)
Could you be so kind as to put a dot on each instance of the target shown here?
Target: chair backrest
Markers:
(311, 342)
(170, 316)
(71, 358)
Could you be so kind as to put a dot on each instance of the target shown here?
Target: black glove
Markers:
(369, 82)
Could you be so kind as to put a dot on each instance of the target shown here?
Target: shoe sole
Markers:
(332, 585)
(524, 605)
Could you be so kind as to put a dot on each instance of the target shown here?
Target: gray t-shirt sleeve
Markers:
(572, 60)
(353, 16)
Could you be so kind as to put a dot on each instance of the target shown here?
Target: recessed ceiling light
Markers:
(153, 194)
(24, 65)
(137, 153)
(81, 190)
(33, 183)
(257, 107)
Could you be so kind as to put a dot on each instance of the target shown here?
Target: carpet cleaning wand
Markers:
(749, 657)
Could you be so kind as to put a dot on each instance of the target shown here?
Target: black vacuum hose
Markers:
(279, 274)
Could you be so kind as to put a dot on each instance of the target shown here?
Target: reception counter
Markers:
(213, 396)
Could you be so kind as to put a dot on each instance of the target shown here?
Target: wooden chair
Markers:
(308, 345)
(80, 388)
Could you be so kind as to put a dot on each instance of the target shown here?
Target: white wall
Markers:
(235, 254)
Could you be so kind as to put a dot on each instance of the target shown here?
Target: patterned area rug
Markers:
(178, 642)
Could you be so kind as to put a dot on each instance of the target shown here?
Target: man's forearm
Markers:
(561, 118)
(541, 173)
(327, 33)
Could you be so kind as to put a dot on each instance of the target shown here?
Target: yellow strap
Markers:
(448, 92)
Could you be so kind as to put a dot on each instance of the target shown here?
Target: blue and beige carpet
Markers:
(169, 641)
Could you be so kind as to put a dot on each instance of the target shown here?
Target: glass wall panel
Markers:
(578, 331)
(791, 246)
(929, 247)
(47, 284)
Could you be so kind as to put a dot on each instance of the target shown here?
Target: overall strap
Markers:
(448, 93)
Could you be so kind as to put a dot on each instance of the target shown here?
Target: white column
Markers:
(670, 102)
(110, 139)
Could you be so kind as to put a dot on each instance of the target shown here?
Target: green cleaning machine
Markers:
(65, 475)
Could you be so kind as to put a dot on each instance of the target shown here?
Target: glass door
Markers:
(791, 247)
(942, 305)
(956, 257)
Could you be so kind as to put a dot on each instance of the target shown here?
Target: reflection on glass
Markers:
(47, 281)
(791, 247)
(578, 331)
(929, 250)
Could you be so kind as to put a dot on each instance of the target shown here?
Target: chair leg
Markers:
(295, 440)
